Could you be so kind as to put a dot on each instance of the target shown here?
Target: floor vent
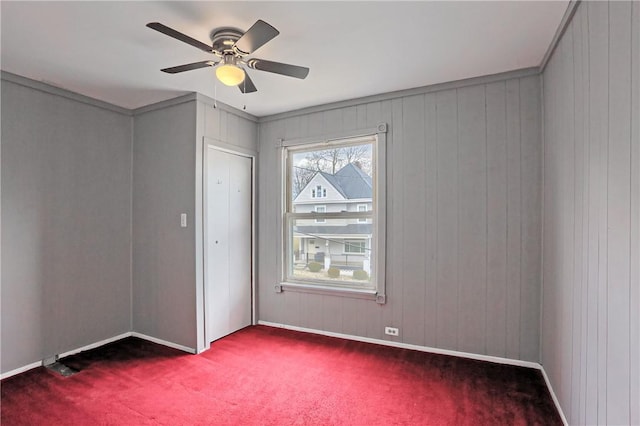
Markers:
(62, 369)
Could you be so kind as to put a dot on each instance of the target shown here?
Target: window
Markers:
(349, 236)
(319, 192)
(355, 246)
(321, 209)
(362, 208)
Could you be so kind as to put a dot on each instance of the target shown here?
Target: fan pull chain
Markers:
(215, 95)
(244, 84)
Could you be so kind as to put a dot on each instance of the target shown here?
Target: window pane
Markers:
(330, 214)
(353, 246)
(321, 209)
(336, 252)
(362, 208)
(339, 174)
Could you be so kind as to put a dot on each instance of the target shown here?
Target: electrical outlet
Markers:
(391, 331)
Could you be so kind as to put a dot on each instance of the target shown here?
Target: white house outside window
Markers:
(345, 227)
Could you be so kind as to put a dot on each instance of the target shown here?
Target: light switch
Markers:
(183, 220)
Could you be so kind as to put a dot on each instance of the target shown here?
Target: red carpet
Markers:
(268, 376)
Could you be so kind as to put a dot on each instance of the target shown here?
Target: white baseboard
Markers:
(62, 355)
(164, 342)
(553, 396)
(498, 360)
(96, 345)
(93, 345)
(20, 370)
(489, 358)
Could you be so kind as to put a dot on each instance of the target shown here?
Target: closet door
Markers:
(228, 241)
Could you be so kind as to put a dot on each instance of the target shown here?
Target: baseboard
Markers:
(553, 396)
(489, 358)
(20, 370)
(96, 345)
(62, 355)
(495, 359)
(164, 342)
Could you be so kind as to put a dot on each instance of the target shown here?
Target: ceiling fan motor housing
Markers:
(223, 41)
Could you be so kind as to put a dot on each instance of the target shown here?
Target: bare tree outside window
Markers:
(307, 164)
(301, 177)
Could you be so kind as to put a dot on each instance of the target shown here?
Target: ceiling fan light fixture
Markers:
(232, 45)
(230, 74)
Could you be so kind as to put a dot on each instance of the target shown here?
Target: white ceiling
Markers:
(354, 49)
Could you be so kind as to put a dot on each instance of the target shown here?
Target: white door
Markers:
(229, 263)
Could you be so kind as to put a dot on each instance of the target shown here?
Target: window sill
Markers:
(368, 294)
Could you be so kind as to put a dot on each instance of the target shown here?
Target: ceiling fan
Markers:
(231, 46)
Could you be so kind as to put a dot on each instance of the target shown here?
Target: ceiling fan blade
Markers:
(256, 37)
(247, 85)
(179, 36)
(189, 67)
(278, 68)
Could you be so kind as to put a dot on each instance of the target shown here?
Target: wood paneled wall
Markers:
(66, 221)
(164, 274)
(168, 289)
(463, 226)
(591, 308)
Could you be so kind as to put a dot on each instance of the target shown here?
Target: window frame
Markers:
(366, 209)
(351, 242)
(377, 136)
(319, 192)
(315, 208)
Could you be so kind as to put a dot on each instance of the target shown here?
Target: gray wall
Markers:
(164, 273)
(591, 308)
(167, 181)
(463, 227)
(70, 228)
(66, 222)
(226, 126)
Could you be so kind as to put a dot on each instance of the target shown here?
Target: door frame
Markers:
(210, 143)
